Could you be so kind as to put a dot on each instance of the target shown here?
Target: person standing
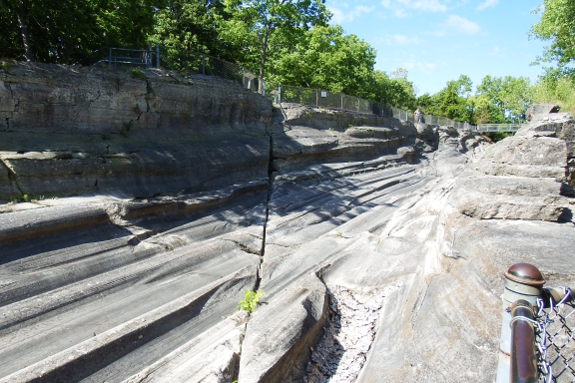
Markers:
(418, 116)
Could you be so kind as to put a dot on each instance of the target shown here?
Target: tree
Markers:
(185, 27)
(268, 17)
(67, 31)
(509, 96)
(454, 101)
(557, 24)
(325, 58)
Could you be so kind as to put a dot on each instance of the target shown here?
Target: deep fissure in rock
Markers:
(350, 330)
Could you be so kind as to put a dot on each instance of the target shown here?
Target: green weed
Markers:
(24, 197)
(126, 126)
(136, 73)
(5, 66)
(250, 300)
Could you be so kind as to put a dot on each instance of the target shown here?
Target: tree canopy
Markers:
(285, 41)
(65, 31)
(557, 25)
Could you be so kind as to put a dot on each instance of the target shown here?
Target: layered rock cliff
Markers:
(379, 244)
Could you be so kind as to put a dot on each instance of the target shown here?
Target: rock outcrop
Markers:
(379, 245)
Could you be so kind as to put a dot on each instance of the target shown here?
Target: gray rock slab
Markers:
(280, 332)
(491, 197)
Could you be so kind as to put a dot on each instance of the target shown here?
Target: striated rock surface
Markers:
(379, 245)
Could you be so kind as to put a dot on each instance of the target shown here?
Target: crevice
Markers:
(349, 331)
(267, 213)
(94, 100)
(12, 176)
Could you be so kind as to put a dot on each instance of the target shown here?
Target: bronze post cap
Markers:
(526, 274)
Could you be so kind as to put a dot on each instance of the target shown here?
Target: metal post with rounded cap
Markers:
(521, 281)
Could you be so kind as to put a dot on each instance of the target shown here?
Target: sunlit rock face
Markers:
(379, 245)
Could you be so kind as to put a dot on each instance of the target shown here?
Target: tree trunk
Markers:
(263, 59)
(24, 31)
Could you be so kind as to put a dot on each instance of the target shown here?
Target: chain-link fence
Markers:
(196, 63)
(185, 63)
(555, 338)
(189, 63)
(326, 99)
(537, 343)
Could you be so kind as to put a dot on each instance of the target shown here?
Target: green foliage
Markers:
(250, 300)
(510, 95)
(557, 24)
(5, 66)
(267, 24)
(67, 31)
(126, 126)
(137, 73)
(550, 89)
(24, 197)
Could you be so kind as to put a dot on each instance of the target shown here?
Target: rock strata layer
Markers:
(379, 245)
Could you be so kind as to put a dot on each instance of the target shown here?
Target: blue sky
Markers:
(438, 40)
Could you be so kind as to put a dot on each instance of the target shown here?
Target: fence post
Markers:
(203, 63)
(158, 56)
(341, 98)
(149, 56)
(280, 93)
(109, 56)
(263, 86)
(358, 105)
(522, 282)
(316, 98)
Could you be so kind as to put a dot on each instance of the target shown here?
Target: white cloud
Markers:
(401, 8)
(496, 51)
(461, 24)
(420, 66)
(340, 16)
(487, 4)
(404, 40)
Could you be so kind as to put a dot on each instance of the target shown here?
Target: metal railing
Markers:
(190, 63)
(125, 56)
(486, 128)
(185, 63)
(332, 100)
(537, 340)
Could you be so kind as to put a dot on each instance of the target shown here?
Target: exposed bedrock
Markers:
(90, 130)
(379, 245)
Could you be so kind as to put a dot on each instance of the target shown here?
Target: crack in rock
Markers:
(352, 325)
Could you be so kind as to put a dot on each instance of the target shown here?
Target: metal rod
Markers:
(158, 56)
(149, 56)
(523, 359)
(280, 93)
(203, 63)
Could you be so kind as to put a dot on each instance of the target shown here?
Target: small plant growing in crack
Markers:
(24, 197)
(250, 300)
(137, 74)
(126, 126)
(5, 66)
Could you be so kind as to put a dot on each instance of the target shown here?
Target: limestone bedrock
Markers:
(380, 245)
